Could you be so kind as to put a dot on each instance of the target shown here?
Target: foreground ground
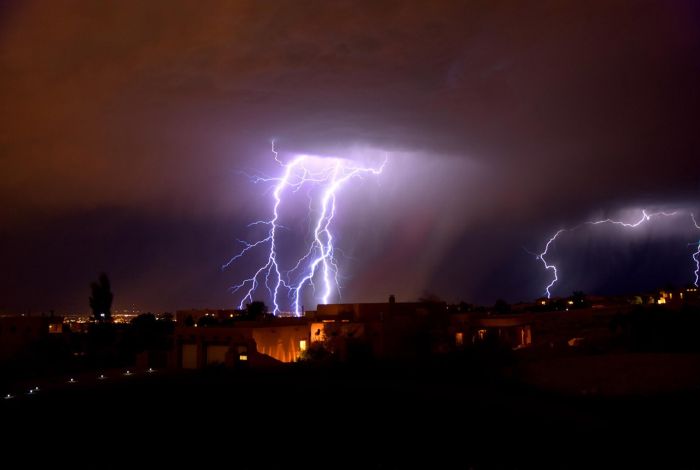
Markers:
(445, 414)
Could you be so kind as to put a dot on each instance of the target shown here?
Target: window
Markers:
(189, 356)
(459, 339)
(302, 345)
(216, 354)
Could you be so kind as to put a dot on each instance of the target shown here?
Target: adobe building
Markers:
(389, 329)
(18, 333)
(239, 343)
(513, 331)
(383, 330)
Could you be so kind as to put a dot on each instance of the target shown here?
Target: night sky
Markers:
(127, 128)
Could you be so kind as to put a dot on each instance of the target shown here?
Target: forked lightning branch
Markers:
(317, 269)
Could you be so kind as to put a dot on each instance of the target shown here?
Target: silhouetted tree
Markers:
(101, 299)
(465, 307)
(143, 331)
(144, 321)
(318, 351)
(256, 310)
(579, 299)
(167, 316)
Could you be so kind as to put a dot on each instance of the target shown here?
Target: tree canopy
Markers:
(256, 310)
(101, 299)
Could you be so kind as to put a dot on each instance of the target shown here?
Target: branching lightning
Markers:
(645, 217)
(696, 255)
(318, 264)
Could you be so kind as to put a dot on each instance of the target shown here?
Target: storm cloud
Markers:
(126, 127)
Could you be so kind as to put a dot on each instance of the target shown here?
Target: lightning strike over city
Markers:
(323, 178)
(645, 217)
(281, 214)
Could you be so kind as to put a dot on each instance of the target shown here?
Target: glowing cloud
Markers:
(318, 264)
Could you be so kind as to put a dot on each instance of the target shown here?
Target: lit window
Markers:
(661, 301)
(482, 334)
(302, 345)
(459, 339)
(243, 357)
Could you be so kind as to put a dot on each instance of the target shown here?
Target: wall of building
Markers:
(513, 331)
(18, 333)
(245, 342)
(281, 342)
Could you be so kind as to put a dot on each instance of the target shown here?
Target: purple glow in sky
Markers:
(124, 123)
(322, 178)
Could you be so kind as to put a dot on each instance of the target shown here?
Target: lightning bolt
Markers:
(696, 255)
(318, 263)
(323, 238)
(551, 267)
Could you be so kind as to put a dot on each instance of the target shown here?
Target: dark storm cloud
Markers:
(544, 112)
